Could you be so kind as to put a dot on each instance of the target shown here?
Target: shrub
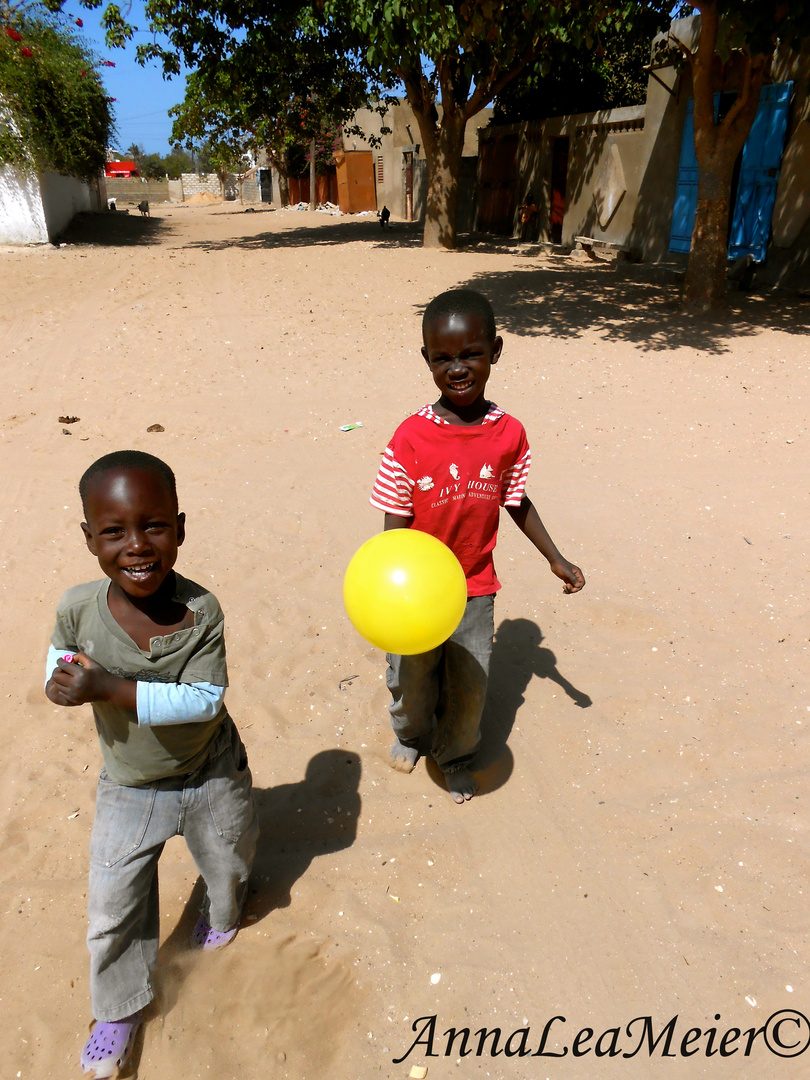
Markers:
(54, 112)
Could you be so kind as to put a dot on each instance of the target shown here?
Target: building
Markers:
(629, 176)
(399, 164)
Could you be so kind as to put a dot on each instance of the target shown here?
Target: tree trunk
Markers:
(283, 188)
(716, 150)
(705, 285)
(444, 145)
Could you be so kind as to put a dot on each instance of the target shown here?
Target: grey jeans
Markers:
(448, 684)
(213, 809)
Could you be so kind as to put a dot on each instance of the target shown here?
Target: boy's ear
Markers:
(181, 528)
(497, 346)
(425, 354)
(88, 539)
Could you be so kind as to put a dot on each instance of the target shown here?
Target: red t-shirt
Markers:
(453, 481)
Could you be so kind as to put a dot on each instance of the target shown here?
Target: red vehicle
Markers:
(121, 168)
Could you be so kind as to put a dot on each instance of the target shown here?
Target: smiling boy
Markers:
(146, 648)
(447, 471)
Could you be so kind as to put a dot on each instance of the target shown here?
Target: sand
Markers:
(640, 845)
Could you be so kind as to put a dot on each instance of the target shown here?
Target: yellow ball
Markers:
(405, 591)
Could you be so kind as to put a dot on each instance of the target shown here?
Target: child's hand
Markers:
(78, 681)
(572, 577)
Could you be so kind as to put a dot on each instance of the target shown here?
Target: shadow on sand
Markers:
(331, 233)
(115, 230)
(299, 822)
(517, 658)
(638, 304)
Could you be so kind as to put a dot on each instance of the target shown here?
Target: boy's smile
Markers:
(134, 530)
(460, 353)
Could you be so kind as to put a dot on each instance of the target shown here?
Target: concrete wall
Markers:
(605, 166)
(37, 208)
(62, 198)
(788, 261)
(22, 219)
(133, 189)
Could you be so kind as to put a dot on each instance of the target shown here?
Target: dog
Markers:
(143, 206)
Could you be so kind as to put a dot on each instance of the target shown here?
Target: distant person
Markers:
(146, 648)
(447, 471)
(527, 212)
(385, 217)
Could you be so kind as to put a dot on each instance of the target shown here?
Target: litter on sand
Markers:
(350, 427)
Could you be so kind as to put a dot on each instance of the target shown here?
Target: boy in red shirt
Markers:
(447, 471)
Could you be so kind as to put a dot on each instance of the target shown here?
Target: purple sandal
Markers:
(109, 1045)
(207, 938)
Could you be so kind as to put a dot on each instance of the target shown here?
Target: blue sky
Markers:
(142, 96)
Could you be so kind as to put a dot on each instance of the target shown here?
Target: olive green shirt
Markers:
(136, 754)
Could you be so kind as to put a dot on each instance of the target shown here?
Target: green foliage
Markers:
(211, 115)
(55, 112)
(608, 73)
(156, 166)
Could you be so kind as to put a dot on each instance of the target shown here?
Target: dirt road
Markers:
(640, 846)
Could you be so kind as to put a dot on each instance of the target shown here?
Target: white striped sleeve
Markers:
(393, 488)
(514, 481)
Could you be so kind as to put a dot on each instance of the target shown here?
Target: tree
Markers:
(735, 50)
(55, 112)
(453, 59)
(260, 95)
(215, 119)
(611, 73)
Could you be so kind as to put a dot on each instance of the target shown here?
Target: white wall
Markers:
(62, 198)
(22, 219)
(35, 209)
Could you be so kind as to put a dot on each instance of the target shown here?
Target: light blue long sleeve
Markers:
(161, 704)
(177, 703)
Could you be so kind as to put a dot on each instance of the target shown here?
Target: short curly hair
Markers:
(120, 460)
(460, 302)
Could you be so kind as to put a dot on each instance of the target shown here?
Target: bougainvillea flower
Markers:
(79, 22)
(108, 63)
(13, 34)
(26, 52)
(110, 99)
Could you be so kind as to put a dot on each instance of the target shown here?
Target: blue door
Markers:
(759, 174)
(683, 212)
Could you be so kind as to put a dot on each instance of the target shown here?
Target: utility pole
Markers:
(312, 175)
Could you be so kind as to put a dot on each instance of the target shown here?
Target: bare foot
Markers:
(403, 758)
(461, 784)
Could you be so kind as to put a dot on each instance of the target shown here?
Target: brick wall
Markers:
(201, 184)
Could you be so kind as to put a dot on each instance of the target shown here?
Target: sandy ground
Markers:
(640, 846)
